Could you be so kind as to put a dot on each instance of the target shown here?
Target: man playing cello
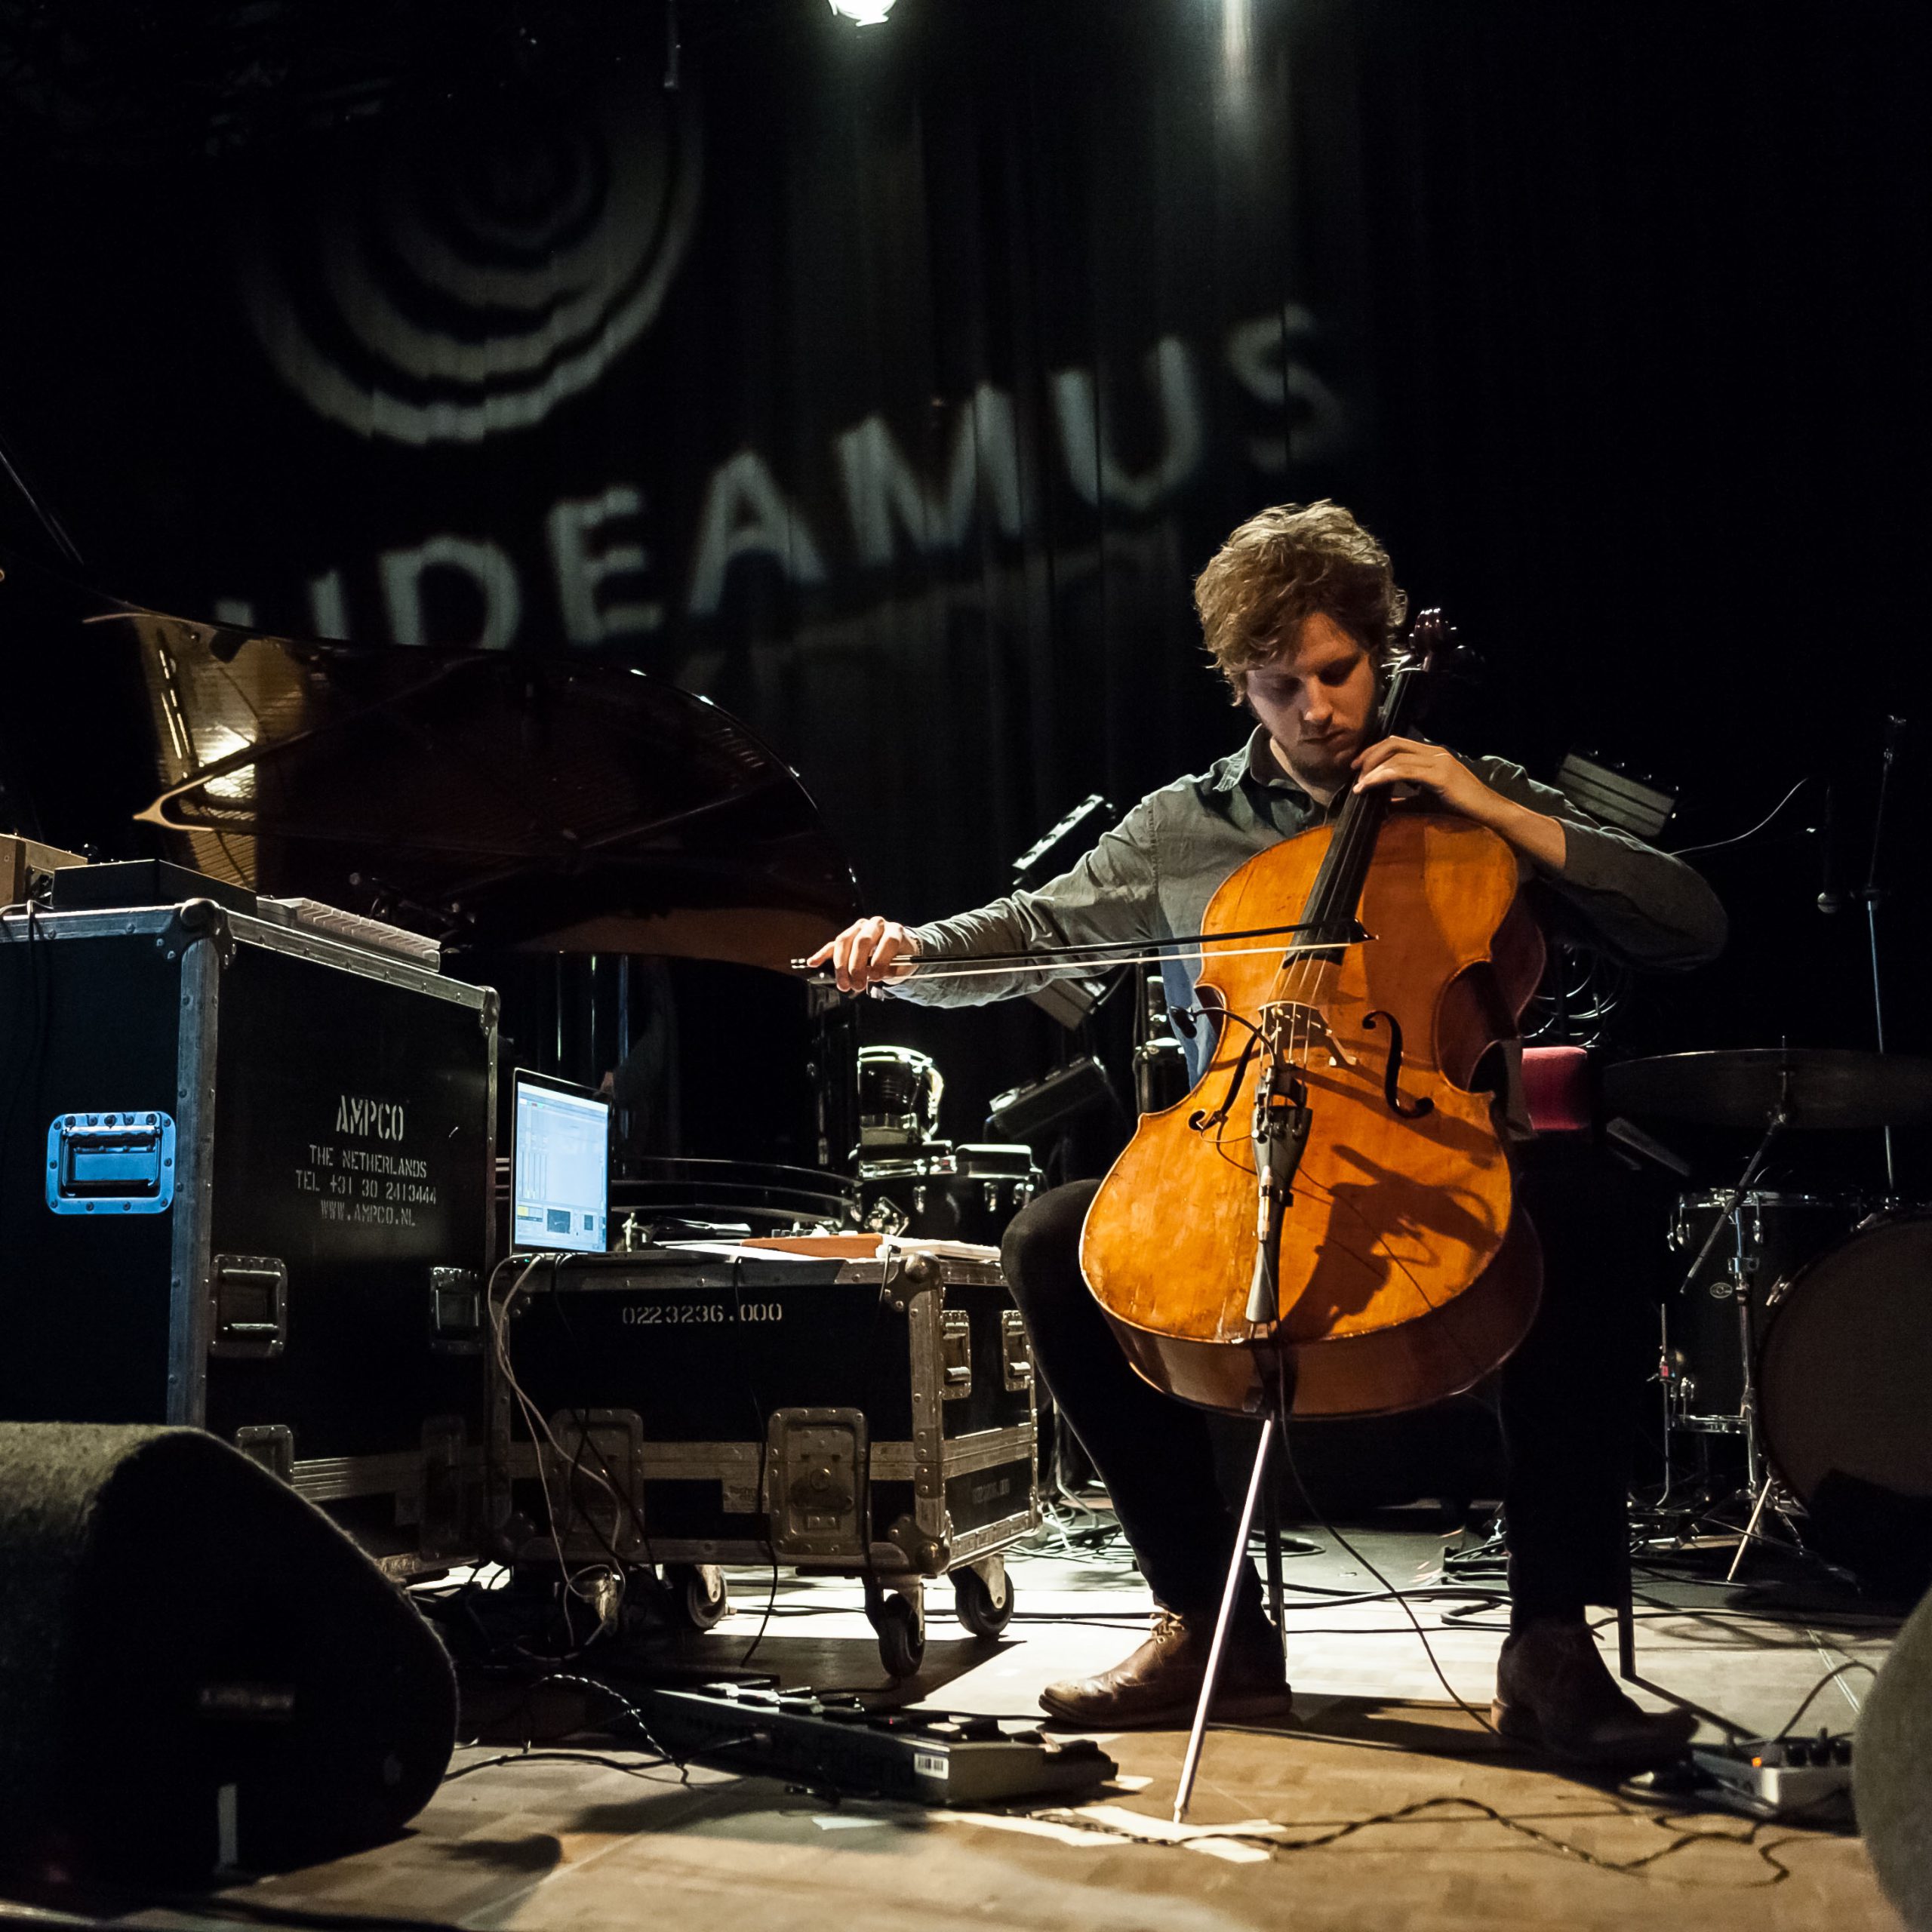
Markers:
(1298, 608)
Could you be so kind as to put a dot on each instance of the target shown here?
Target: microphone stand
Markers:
(1894, 736)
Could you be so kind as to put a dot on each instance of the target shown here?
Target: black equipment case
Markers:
(835, 1412)
(245, 1176)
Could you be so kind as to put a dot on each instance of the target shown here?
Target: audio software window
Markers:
(562, 1170)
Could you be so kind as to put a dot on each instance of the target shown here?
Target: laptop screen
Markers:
(560, 1166)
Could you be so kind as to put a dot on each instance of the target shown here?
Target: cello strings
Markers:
(1359, 823)
(1296, 985)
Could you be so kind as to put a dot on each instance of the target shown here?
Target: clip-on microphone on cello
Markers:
(1281, 1121)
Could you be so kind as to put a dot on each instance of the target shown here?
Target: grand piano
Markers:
(597, 842)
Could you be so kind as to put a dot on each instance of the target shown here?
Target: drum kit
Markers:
(913, 1182)
(1802, 1326)
(907, 1181)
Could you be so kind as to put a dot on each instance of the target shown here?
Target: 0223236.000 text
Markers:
(674, 1314)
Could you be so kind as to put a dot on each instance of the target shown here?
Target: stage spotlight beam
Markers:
(863, 13)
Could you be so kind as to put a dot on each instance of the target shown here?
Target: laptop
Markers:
(560, 1166)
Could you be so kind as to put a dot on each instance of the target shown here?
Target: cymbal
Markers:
(1821, 1086)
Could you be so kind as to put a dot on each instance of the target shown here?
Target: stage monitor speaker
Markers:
(1891, 1771)
(198, 1669)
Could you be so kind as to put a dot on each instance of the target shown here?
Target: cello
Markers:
(1335, 1139)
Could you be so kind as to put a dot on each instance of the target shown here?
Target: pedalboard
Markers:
(1778, 1777)
(836, 1743)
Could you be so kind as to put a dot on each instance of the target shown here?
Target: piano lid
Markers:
(559, 803)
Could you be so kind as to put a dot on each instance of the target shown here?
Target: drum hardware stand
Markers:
(1763, 1486)
(1664, 1524)
(1778, 1119)
(1772, 1494)
(1470, 1560)
(1750, 1531)
(1281, 1121)
(1894, 736)
(1761, 1483)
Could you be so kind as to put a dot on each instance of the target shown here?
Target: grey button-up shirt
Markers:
(1150, 878)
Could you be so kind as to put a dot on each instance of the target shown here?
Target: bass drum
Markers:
(1844, 1394)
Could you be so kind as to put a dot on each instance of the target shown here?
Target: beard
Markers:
(1327, 762)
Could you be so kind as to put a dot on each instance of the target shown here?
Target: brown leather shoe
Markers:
(1555, 1694)
(1160, 1684)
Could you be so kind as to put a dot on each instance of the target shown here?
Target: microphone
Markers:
(1830, 899)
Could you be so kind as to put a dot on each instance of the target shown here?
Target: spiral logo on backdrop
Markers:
(475, 280)
(449, 284)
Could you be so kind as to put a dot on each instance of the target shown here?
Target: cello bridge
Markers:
(1295, 1026)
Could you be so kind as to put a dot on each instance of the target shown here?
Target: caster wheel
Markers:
(902, 1644)
(698, 1599)
(983, 1609)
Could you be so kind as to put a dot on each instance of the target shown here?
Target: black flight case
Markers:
(834, 1405)
(245, 1176)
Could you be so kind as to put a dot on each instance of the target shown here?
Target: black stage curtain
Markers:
(890, 385)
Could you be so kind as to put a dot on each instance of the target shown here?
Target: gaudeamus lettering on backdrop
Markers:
(871, 386)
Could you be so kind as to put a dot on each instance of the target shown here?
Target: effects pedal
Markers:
(836, 1743)
(1778, 1777)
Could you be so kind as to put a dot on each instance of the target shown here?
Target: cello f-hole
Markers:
(1392, 1075)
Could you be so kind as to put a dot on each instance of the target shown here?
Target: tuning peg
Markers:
(1431, 640)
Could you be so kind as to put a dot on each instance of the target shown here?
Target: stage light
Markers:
(863, 13)
(1237, 36)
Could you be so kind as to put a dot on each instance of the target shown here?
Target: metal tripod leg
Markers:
(1271, 1544)
(1745, 1541)
(1626, 1616)
(1191, 1764)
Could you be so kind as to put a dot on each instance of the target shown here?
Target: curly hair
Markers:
(1284, 564)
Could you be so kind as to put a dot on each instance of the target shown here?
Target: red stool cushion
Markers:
(1556, 1087)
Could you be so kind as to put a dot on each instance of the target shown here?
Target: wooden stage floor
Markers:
(1382, 1806)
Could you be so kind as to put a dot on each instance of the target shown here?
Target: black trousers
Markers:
(1568, 1396)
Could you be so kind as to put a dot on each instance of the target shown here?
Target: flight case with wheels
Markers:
(244, 1185)
(835, 1405)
